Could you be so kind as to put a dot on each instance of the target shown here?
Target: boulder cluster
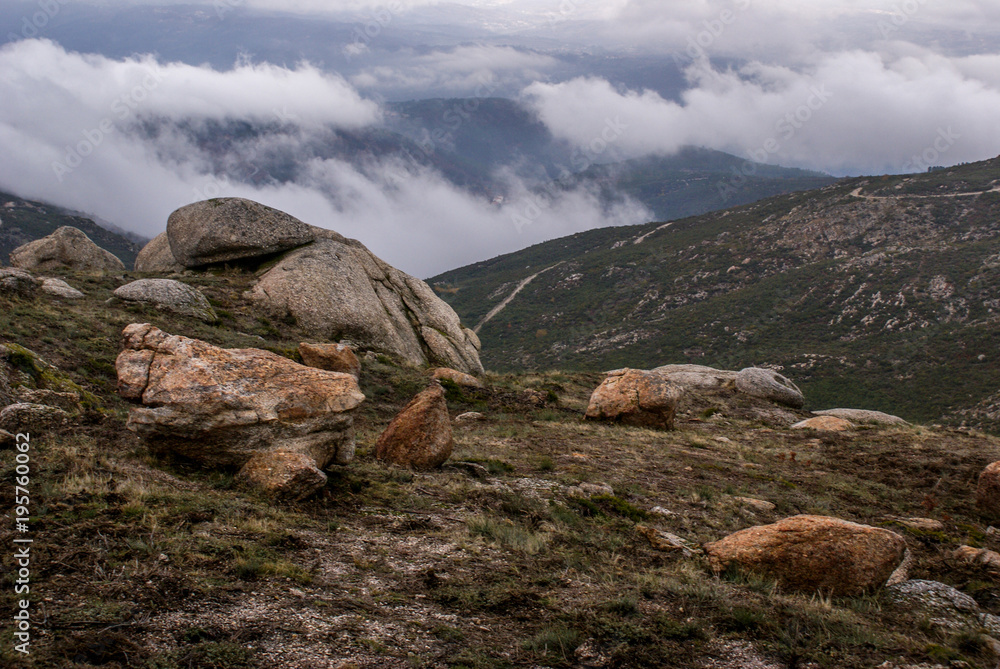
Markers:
(332, 287)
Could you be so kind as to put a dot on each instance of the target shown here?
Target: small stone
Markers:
(331, 357)
(988, 491)
(420, 436)
(65, 401)
(169, 294)
(824, 424)
(756, 504)
(920, 524)
(457, 377)
(283, 474)
(665, 541)
(469, 416)
(660, 511)
(17, 282)
(26, 417)
(978, 556)
(59, 288)
(590, 490)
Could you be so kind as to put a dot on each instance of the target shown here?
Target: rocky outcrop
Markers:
(457, 377)
(221, 406)
(942, 605)
(813, 553)
(824, 424)
(698, 377)
(863, 416)
(17, 283)
(59, 288)
(156, 257)
(283, 474)
(336, 289)
(66, 248)
(231, 228)
(768, 385)
(420, 436)
(331, 357)
(635, 397)
(168, 294)
(25, 417)
(988, 491)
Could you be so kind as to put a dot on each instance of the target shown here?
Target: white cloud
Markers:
(850, 111)
(72, 133)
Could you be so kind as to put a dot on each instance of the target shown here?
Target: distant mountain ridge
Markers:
(878, 292)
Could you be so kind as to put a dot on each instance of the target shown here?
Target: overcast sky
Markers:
(843, 86)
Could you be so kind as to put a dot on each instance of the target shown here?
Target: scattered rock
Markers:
(17, 283)
(231, 228)
(698, 377)
(420, 436)
(67, 401)
(220, 406)
(59, 288)
(990, 560)
(945, 606)
(335, 288)
(469, 416)
(331, 357)
(863, 416)
(473, 469)
(589, 655)
(535, 397)
(824, 424)
(756, 504)
(988, 491)
(810, 553)
(66, 248)
(769, 385)
(590, 489)
(283, 474)
(635, 397)
(920, 524)
(25, 417)
(168, 294)
(660, 511)
(455, 376)
(665, 541)
(156, 257)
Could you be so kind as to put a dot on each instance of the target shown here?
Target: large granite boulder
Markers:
(17, 283)
(231, 228)
(66, 248)
(336, 289)
(168, 294)
(156, 257)
(813, 553)
(768, 385)
(221, 406)
(420, 436)
(636, 397)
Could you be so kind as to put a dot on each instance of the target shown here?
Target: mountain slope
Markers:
(22, 221)
(882, 293)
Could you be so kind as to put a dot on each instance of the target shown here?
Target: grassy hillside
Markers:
(22, 221)
(491, 563)
(863, 298)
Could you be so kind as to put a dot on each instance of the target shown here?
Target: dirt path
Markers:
(857, 193)
(507, 300)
